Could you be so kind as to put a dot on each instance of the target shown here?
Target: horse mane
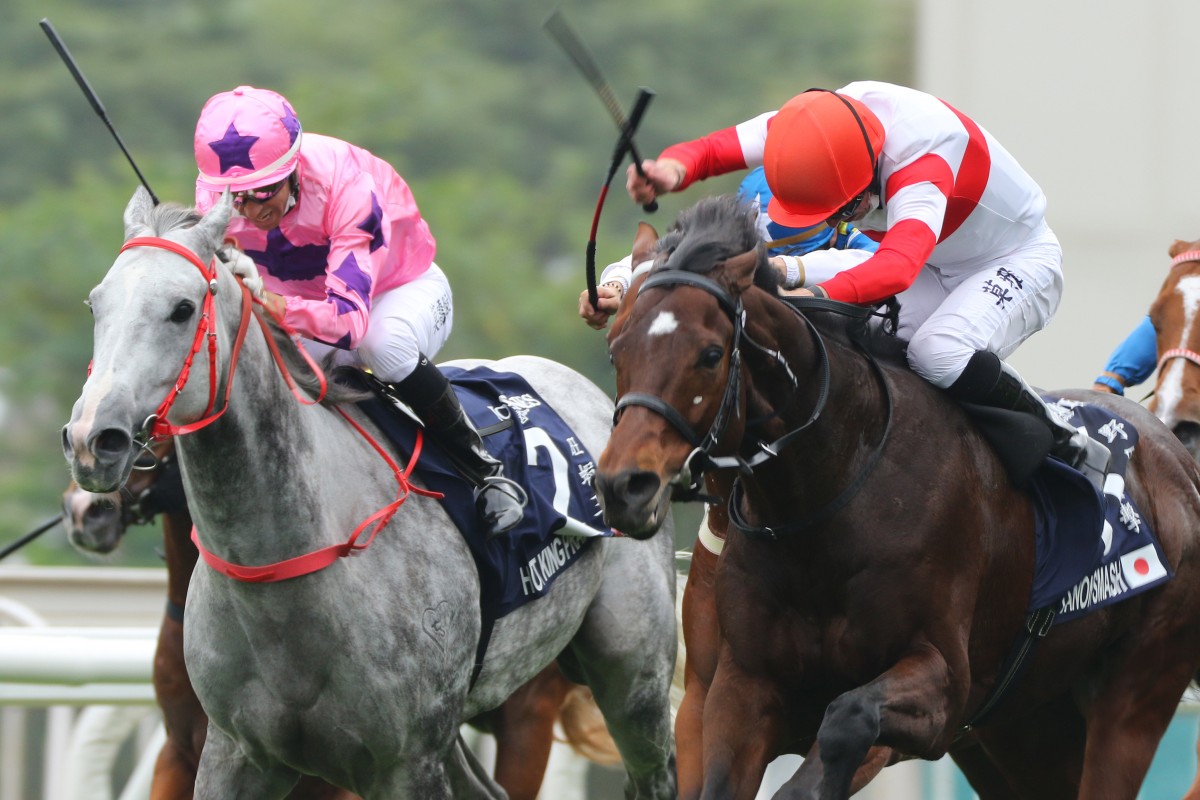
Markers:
(337, 391)
(713, 230)
(718, 228)
(166, 217)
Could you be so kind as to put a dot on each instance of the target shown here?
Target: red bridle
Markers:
(159, 428)
(156, 426)
(1181, 352)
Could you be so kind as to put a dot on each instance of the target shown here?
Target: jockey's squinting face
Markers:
(266, 214)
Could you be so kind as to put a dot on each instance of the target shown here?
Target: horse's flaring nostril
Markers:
(112, 442)
(640, 488)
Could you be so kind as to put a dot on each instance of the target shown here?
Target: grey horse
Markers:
(361, 672)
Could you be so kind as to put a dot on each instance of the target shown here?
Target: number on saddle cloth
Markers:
(540, 452)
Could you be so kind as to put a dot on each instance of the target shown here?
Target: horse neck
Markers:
(830, 453)
(180, 554)
(248, 471)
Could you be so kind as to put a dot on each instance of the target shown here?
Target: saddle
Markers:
(1091, 550)
(538, 450)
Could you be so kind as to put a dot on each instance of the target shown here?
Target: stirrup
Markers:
(501, 503)
(1088, 456)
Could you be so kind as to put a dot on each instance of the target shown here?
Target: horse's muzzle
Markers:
(634, 501)
(100, 459)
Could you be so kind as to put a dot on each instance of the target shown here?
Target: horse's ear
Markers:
(208, 235)
(137, 212)
(643, 243)
(739, 270)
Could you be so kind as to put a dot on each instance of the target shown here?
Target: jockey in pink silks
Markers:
(330, 237)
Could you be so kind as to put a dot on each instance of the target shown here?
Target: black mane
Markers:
(711, 231)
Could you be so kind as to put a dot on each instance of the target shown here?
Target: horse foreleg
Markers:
(742, 717)
(701, 637)
(524, 730)
(689, 740)
(877, 758)
(905, 707)
(174, 773)
(226, 774)
(1125, 723)
(1194, 792)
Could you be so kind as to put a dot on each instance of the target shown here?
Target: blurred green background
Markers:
(503, 143)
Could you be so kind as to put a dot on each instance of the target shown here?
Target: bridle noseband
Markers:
(701, 458)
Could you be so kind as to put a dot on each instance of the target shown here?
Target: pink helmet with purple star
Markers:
(246, 138)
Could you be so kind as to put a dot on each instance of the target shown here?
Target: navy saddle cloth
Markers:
(1092, 550)
(540, 452)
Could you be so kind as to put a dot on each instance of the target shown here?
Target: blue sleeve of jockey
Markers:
(1133, 360)
(851, 238)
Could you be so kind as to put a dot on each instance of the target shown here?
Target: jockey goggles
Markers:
(259, 195)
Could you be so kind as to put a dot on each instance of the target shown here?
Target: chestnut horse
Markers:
(1174, 312)
(886, 560)
(1176, 397)
(523, 725)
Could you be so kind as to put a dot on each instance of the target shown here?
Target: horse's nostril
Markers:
(99, 509)
(112, 441)
(641, 487)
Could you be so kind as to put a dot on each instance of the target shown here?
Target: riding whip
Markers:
(573, 46)
(29, 537)
(92, 98)
(556, 25)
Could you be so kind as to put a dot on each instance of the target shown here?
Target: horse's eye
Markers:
(711, 356)
(183, 311)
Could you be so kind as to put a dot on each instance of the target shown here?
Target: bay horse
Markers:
(523, 725)
(359, 673)
(884, 559)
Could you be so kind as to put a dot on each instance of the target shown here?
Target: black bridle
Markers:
(701, 458)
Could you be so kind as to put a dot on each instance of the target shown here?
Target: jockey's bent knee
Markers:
(939, 357)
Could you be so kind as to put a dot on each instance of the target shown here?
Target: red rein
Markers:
(161, 429)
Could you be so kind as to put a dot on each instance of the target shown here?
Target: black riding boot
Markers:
(989, 381)
(499, 500)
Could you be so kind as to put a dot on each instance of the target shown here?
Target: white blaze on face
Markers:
(663, 324)
(1170, 388)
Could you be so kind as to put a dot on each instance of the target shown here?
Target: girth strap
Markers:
(1037, 625)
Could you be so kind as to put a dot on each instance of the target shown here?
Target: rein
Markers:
(737, 491)
(156, 426)
(701, 457)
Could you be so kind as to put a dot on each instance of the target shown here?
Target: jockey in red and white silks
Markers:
(965, 244)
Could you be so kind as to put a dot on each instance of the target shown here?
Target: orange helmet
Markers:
(822, 151)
